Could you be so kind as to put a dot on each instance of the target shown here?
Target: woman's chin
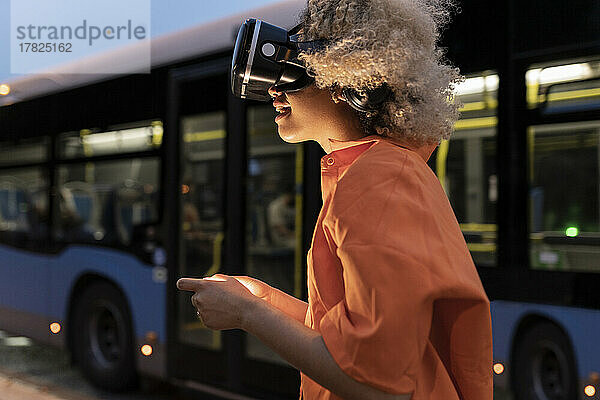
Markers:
(287, 136)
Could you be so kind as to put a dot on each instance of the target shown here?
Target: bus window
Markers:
(564, 196)
(563, 170)
(24, 151)
(23, 207)
(466, 166)
(101, 202)
(203, 147)
(92, 142)
(273, 213)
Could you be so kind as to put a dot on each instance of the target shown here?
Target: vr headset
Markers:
(266, 55)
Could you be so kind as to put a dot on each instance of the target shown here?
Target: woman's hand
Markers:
(226, 302)
(289, 304)
(222, 302)
(256, 287)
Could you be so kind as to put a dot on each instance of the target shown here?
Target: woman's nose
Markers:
(274, 92)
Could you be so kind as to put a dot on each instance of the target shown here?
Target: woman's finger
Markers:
(189, 284)
(217, 277)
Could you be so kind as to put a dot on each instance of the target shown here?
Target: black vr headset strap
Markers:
(295, 29)
(294, 40)
(291, 57)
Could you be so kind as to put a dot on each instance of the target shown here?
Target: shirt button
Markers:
(330, 161)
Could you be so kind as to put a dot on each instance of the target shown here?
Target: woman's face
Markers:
(311, 114)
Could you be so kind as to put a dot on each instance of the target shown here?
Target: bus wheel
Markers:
(544, 366)
(103, 338)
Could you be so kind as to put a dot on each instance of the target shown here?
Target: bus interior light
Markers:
(128, 135)
(561, 73)
(478, 84)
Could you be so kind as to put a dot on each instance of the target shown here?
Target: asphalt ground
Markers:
(32, 371)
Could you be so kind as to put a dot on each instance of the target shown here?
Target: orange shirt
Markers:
(392, 287)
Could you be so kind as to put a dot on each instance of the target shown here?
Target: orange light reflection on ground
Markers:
(55, 327)
(589, 390)
(498, 368)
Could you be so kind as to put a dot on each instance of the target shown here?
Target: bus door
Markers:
(274, 253)
(234, 206)
(196, 207)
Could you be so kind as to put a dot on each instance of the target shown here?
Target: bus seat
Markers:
(132, 207)
(14, 207)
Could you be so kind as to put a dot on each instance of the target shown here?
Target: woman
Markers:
(395, 307)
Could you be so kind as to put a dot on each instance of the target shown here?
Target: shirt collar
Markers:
(423, 151)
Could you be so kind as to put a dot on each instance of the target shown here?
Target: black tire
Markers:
(544, 366)
(103, 342)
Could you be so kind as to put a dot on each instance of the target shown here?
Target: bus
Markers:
(113, 187)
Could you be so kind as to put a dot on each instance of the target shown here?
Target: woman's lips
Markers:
(285, 113)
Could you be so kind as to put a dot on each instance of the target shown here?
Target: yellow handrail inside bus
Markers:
(472, 227)
(440, 163)
(298, 221)
(204, 135)
(531, 145)
(217, 247)
(481, 247)
(534, 98)
(476, 123)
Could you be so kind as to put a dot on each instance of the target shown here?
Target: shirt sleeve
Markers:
(378, 332)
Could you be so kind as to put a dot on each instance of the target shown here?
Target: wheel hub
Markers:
(549, 374)
(106, 334)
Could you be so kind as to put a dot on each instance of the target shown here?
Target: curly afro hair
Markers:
(391, 41)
